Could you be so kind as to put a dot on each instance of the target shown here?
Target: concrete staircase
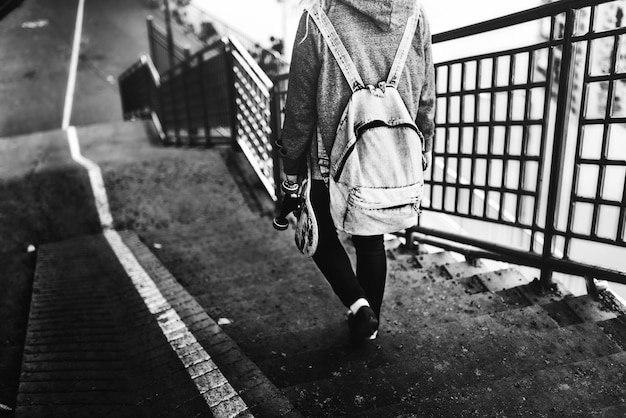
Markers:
(456, 338)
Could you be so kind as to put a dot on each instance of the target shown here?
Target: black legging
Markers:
(334, 263)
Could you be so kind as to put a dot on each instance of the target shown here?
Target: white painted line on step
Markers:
(219, 395)
(95, 177)
(71, 82)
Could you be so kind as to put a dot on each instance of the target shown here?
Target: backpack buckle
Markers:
(378, 90)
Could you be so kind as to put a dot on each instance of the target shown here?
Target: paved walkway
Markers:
(35, 45)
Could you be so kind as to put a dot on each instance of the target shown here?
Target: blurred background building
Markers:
(262, 19)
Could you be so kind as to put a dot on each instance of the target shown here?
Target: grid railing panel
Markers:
(491, 135)
(191, 99)
(215, 73)
(138, 90)
(532, 137)
(253, 105)
(597, 194)
(159, 48)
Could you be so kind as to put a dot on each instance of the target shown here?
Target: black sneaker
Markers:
(363, 325)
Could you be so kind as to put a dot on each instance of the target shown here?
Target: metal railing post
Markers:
(191, 134)
(163, 98)
(170, 36)
(150, 87)
(150, 24)
(408, 240)
(155, 103)
(560, 137)
(205, 114)
(275, 112)
(232, 94)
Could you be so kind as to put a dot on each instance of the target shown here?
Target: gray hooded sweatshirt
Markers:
(371, 30)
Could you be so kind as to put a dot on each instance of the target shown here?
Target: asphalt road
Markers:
(35, 46)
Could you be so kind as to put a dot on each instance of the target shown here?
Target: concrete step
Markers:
(492, 330)
(435, 259)
(22, 155)
(192, 265)
(420, 298)
(563, 307)
(46, 196)
(245, 300)
(288, 318)
(614, 411)
(151, 187)
(577, 389)
(513, 286)
(500, 280)
(229, 228)
(405, 367)
(615, 329)
(591, 310)
(102, 139)
(258, 393)
(465, 269)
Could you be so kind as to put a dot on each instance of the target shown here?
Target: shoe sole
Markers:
(367, 331)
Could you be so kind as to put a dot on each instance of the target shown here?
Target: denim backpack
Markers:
(375, 173)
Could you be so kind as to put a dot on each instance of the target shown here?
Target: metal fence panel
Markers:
(530, 138)
(253, 106)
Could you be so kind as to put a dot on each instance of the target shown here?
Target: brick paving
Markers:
(92, 347)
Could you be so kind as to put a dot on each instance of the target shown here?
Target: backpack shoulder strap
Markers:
(403, 50)
(336, 47)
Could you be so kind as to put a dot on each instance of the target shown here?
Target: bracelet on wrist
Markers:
(289, 186)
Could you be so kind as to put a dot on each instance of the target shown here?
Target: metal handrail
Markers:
(525, 16)
(249, 62)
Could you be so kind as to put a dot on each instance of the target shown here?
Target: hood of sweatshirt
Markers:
(387, 14)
